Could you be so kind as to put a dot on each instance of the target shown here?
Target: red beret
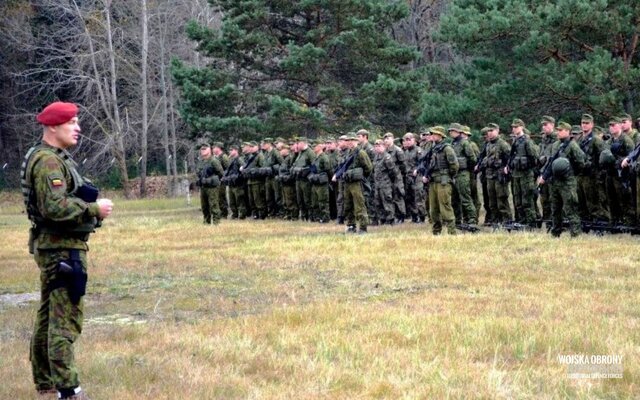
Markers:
(57, 113)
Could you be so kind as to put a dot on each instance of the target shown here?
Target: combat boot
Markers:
(351, 229)
(73, 394)
(47, 394)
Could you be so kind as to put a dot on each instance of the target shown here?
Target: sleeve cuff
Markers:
(94, 210)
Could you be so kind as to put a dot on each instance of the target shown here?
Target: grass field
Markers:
(280, 310)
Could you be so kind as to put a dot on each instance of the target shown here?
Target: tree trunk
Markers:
(145, 95)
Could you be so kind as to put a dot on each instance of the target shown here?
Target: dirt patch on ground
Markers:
(18, 299)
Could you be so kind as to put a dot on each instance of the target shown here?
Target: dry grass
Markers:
(279, 310)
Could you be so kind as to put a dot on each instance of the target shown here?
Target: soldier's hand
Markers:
(106, 207)
(415, 172)
(333, 179)
(625, 163)
(540, 180)
(506, 170)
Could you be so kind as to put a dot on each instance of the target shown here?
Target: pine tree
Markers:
(298, 67)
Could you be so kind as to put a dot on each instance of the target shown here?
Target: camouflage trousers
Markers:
(499, 200)
(257, 199)
(58, 325)
(564, 204)
(223, 203)
(320, 202)
(620, 206)
(522, 188)
(273, 193)
(355, 208)
(303, 197)
(383, 199)
(545, 201)
(289, 201)
(463, 206)
(590, 205)
(210, 205)
(440, 209)
(473, 185)
(237, 201)
(414, 197)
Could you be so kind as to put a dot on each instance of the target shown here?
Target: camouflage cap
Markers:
(202, 142)
(343, 137)
(363, 132)
(466, 130)
(234, 147)
(484, 130)
(378, 142)
(267, 140)
(492, 126)
(438, 130)
(388, 135)
(280, 139)
(563, 126)
(284, 146)
(250, 144)
(455, 127)
(547, 119)
(598, 129)
(408, 135)
(576, 130)
(218, 144)
(329, 139)
(586, 118)
(517, 122)
(615, 120)
(625, 117)
(303, 139)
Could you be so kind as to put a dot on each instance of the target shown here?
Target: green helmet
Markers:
(561, 168)
(607, 159)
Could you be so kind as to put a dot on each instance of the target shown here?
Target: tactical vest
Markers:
(460, 154)
(40, 224)
(520, 160)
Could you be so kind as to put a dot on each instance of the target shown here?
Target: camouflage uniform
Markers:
(398, 191)
(288, 185)
(443, 166)
(235, 188)
(319, 179)
(545, 191)
(385, 176)
(62, 223)
(463, 206)
(253, 171)
(333, 186)
(273, 191)
(495, 160)
(590, 189)
(564, 197)
(209, 172)
(301, 169)
(368, 184)
(619, 194)
(522, 162)
(222, 190)
(414, 188)
(342, 156)
(355, 209)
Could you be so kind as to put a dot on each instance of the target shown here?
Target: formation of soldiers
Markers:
(575, 178)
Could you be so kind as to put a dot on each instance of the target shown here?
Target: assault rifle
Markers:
(468, 228)
(345, 165)
(547, 171)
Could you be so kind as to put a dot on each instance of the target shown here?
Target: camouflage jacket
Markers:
(61, 219)
(209, 172)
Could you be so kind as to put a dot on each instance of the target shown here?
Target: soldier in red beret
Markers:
(64, 209)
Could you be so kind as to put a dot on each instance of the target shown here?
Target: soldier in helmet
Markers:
(209, 171)
(235, 184)
(441, 171)
(414, 188)
(618, 180)
(398, 191)
(560, 171)
(522, 162)
(548, 135)
(493, 163)
(464, 208)
(385, 175)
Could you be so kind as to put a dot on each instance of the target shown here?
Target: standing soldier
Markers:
(288, 182)
(343, 152)
(565, 160)
(353, 170)
(234, 183)
(414, 187)
(522, 163)
(480, 170)
(398, 191)
(466, 130)
(494, 163)
(439, 175)
(463, 207)
(272, 160)
(590, 188)
(253, 171)
(331, 150)
(628, 129)
(367, 185)
(301, 169)
(548, 137)
(218, 152)
(385, 176)
(618, 179)
(209, 171)
(63, 209)
(321, 172)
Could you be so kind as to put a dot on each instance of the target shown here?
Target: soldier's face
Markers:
(67, 134)
(587, 126)
(563, 133)
(233, 153)
(547, 127)
(626, 125)
(388, 141)
(205, 151)
(408, 142)
(492, 134)
(516, 130)
(362, 138)
(615, 129)
(379, 148)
